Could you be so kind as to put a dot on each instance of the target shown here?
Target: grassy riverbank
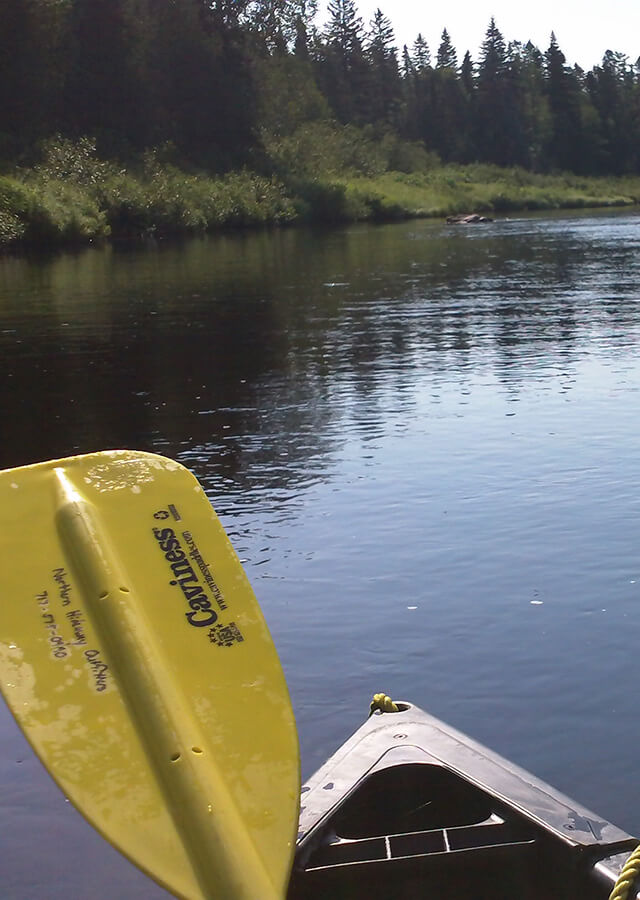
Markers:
(72, 196)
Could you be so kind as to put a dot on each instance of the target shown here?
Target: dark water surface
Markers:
(424, 443)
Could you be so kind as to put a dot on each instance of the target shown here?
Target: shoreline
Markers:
(102, 203)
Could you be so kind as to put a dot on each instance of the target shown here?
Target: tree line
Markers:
(213, 78)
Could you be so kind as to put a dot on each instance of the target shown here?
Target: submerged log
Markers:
(467, 219)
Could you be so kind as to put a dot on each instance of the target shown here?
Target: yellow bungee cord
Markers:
(383, 703)
(630, 872)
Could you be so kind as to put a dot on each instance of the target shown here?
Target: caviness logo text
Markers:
(201, 613)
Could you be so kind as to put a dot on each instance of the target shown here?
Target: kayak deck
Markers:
(409, 807)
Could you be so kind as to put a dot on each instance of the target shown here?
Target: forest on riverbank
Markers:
(134, 116)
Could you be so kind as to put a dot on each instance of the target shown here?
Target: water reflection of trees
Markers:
(250, 355)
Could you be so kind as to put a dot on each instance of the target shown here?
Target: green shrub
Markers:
(15, 204)
(164, 200)
(72, 161)
(64, 212)
(126, 206)
(321, 201)
(326, 148)
(243, 198)
(412, 157)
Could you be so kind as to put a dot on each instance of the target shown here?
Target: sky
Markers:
(584, 30)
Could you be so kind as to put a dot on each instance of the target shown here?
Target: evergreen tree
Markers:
(493, 55)
(447, 57)
(342, 70)
(536, 106)
(421, 54)
(498, 125)
(467, 75)
(524, 108)
(408, 68)
(447, 129)
(613, 90)
(301, 41)
(211, 76)
(468, 91)
(345, 30)
(380, 38)
(563, 93)
(384, 93)
(417, 91)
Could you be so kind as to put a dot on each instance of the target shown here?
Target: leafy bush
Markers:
(126, 205)
(243, 198)
(74, 161)
(321, 201)
(15, 203)
(409, 157)
(166, 201)
(66, 213)
(326, 148)
(53, 202)
(346, 201)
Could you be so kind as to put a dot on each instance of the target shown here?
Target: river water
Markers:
(423, 441)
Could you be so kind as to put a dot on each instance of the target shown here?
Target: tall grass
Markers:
(72, 196)
(490, 190)
(322, 172)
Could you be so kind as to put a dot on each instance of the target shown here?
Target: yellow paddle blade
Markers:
(136, 660)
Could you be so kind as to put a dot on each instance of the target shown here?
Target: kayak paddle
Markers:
(135, 658)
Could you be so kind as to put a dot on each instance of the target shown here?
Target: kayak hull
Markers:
(409, 807)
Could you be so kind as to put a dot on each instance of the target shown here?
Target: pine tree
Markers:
(408, 68)
(493, 55)
(384, 92)
(447, 105)
(417, 90)
(342, 69)
(380, 37)
(523, 108)
(563, 93)
(345, 31)
(447, 57)
(495, 125)
(537, 114)
(467, 75)
(301, 40)
(613, 91)
(421, 54)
